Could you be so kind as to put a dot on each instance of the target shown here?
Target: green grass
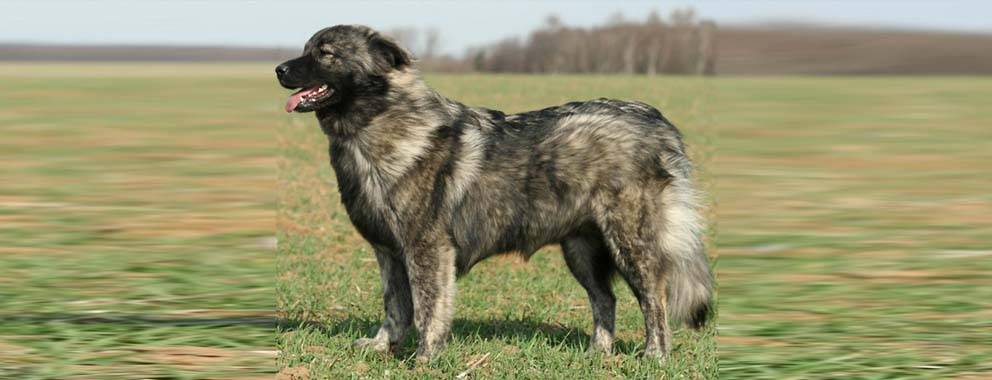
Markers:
(853, 227)
(851, 224)
(135, 212)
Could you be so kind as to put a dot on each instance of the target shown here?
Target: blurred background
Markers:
(161, 217)
(640, 37)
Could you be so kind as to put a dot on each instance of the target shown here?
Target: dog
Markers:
(435, 186)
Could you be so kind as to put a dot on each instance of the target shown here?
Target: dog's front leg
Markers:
(432, 280)
(396, 299)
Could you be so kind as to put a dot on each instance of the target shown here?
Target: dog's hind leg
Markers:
(432, 280)
(589, 260)
(396, 300)
(630, 229)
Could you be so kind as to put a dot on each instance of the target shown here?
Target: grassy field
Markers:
(137, 218)
(851, 224)
(853, 227)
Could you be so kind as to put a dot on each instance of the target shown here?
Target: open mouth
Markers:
(308, 98)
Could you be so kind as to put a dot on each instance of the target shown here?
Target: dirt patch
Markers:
(796, 316)
(294, 373)
(879, 276)
(974, 376)
(810, 277)
(750, 341)
(510, 350)
(14, 354)
(910, 276)
(978, 315)
(882, 254)
(360, 368)
(186, 356)
(226, 313)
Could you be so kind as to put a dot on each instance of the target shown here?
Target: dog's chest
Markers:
(364, 193)
(386, 186)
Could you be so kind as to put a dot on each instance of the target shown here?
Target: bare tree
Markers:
(616, 18)
(654, 28)
(706, 64)
(432, 42)
(628, 54)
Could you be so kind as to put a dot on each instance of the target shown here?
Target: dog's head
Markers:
(338, 62)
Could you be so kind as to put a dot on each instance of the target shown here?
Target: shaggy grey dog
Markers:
(435, 186)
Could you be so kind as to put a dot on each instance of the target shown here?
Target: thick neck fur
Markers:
(384, 133)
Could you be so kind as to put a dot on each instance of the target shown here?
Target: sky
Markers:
(461, 24)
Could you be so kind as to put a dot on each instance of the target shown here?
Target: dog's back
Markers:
(551, 172)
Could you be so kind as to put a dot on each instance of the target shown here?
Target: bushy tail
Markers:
(690, 281)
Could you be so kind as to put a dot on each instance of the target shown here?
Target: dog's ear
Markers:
(388, 54)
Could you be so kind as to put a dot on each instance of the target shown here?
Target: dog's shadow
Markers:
(509, 331)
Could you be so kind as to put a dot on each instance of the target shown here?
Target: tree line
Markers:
(680, 44)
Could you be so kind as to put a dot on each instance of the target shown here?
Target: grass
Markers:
(850, 218)
(137, 217)
(853, 227)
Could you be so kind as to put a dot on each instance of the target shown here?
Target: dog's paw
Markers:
(424, 355)
(657, 354)
(598, 349)
(602, 346)
(371, 344)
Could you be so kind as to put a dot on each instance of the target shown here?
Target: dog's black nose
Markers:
(282, 70)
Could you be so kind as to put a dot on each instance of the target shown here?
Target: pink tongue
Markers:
(295, 99)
